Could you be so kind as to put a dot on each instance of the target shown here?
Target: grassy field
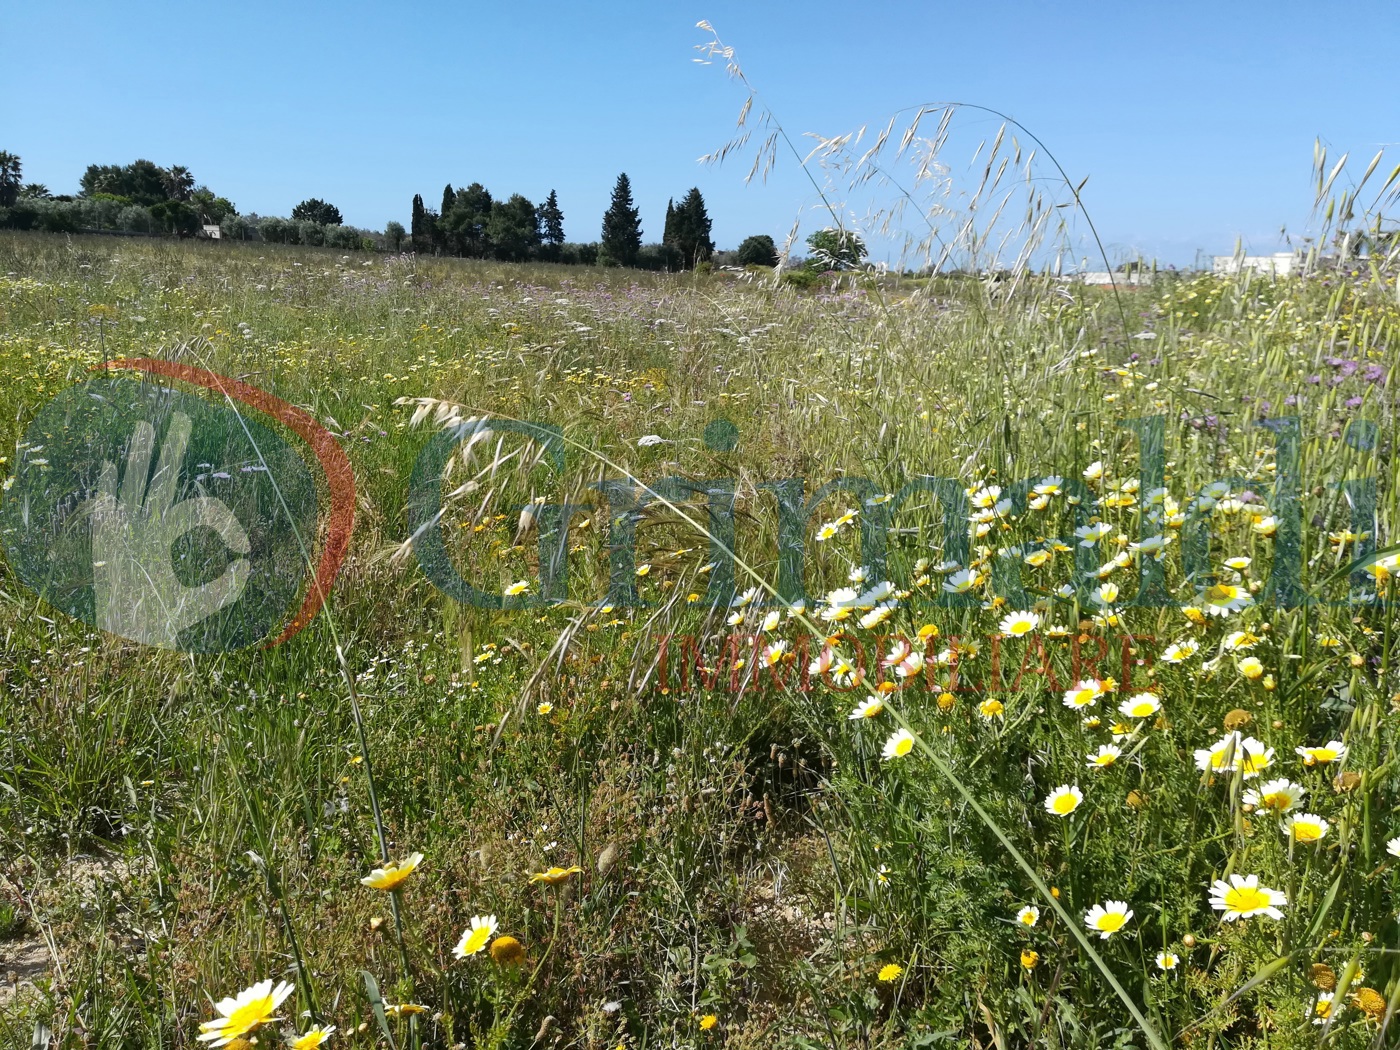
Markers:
(775, 844)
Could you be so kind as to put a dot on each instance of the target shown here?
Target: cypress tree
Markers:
(668, 236)
(692, 229)
(622, 225)
(417, 234)
(448, 199)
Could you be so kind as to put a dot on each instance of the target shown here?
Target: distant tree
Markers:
(665, 257)
(418, 227)
(466, 226)
(691, 230)
(513, 228)
(668, 234)
(212, 210)
(234, 227)
(758, 250)
(175, 217)
(834, 249)
(179, 183)
(11, 177)
(449, 198)
(135, 218)
(142, 181)
(311, 232)
(317, 211)
(622, 226)
(551, 223)
(394, 234)
(273, 230)
(35, 191)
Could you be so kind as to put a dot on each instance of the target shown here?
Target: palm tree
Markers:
(178, 183)
(10, 173)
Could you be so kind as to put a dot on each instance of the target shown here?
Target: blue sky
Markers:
(1194, 122)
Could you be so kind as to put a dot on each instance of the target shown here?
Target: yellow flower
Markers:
(393, 873)
(507, 951)
(1305, 827)
(870, 708)
(1108, 918)
(1029, 958)
(1321, 756)
(555, 875)
(1370, 1002)
(544, 708)
(1028, 916)
(244, 1012)
(989, 708)
(404, 1009)
(476, 935)
(900, 743)
(890, 972)
(1251, 668)
(313, 1037)
(1064, 800)
(707, 1022)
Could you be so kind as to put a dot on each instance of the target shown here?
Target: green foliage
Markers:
(688, 230)
(394, 234)
(513, 229)
(142, 181)
(466, 228)
(551, 225)
(419, 233)
(317, 211)
(834, 249)
(175, 217)
(622, 227)
(758, 250)
(11, 178)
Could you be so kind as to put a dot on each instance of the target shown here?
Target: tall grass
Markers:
(185, 825)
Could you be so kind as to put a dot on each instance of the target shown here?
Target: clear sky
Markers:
(1194, 122)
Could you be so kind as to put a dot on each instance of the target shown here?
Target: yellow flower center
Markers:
(1111, 922)
(1306, 831)
(1220, 593)
(1246, 899)
(1065, 803)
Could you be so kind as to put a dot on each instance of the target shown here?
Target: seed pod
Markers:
(607, 858)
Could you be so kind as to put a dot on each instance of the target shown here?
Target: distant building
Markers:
(1104, 279)
(1280, 264)
(212, 232)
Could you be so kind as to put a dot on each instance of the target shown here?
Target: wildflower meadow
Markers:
(898, 661)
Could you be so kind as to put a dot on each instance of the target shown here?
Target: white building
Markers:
(1280, 264)
(212, 232)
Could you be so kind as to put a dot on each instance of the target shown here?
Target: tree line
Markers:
(145, 198)
(473, 224)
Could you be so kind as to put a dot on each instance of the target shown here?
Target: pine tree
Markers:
(417, 227)
(668, 235)
(552, 221)
(471, 211)
(622, 225)
(448, 199)
(692, 229)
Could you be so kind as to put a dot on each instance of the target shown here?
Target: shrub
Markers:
(758, 250)
(135, 219)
